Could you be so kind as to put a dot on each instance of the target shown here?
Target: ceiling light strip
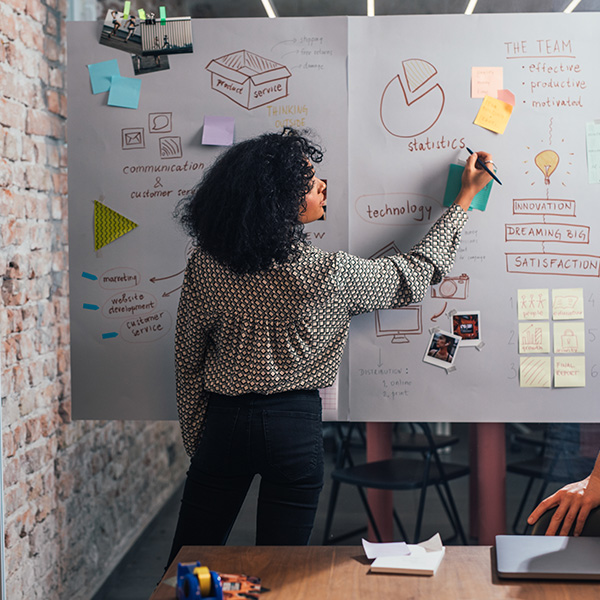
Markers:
(269, 9)
(470, 7)
(572, 6)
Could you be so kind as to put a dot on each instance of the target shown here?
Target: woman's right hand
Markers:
(474, 179)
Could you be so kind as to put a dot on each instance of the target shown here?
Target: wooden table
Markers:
(341, 573)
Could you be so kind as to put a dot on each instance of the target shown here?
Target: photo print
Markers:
(442, 349)
(467, 326)
(120, 33)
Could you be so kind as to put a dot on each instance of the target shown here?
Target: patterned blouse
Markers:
(286, 328)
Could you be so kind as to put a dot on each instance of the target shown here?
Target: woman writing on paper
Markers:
(262, 323)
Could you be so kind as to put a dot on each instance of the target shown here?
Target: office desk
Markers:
(341, 573)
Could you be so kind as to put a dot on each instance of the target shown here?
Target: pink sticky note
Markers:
(506, 96)
(218, 131)
(486, 81)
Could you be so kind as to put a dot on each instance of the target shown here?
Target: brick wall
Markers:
(77, 494)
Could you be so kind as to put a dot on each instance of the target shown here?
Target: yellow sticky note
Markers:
(493, 114)
(535, 371)
(533, 304)
(569, 371)
(567, 303)
(569, 337)
(534, 338)
(486, 81)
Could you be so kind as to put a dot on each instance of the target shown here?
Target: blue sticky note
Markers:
(453, 187)
(124, 91)
(218, 131)
(101, 73)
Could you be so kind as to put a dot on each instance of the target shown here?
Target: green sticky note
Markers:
(453, 187)
(142, 14)
(126, 10)
(163, 15)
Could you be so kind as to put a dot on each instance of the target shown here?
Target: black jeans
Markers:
(277, 436)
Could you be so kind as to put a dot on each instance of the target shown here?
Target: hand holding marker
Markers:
(482, 165)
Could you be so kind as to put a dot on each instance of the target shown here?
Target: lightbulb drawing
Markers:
(546, 162)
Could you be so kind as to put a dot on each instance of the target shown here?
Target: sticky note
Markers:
(506, 96)
(592, 139)
(218, 131)
(163, 15)
(124, 92)
(142, 14)
(101, 73)
(535, 371)
(569, 371)
(567, 303)
(486, 81)
(569, 337)
(533, 304)
(126, 10)
(534, 338)
(453, 187)
(493, 114)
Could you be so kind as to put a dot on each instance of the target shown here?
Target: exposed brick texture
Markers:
(76, 492)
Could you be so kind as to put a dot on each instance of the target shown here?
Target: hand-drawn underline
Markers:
(543, 56)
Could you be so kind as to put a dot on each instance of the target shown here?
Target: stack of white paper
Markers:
(407, 559)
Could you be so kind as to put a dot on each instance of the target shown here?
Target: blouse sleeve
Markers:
(190, 351)
(394, 281)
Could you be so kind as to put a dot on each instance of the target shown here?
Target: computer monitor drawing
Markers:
(399, 323)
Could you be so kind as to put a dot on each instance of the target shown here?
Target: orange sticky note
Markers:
(493, 114)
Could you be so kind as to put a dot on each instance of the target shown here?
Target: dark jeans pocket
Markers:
(294, 442)
(214, 454)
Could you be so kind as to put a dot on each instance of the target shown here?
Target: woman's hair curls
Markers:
(244, 212)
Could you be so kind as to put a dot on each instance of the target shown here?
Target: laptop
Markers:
(547, 557)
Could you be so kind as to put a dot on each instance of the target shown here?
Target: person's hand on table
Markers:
(574, 503)
(474, 178)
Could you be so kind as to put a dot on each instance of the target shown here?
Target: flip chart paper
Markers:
(453, 187)
(493, 114)
(101, 74)
(218, 131)
(124, 92)
(486, 81)
(592, 133)
(569, 371)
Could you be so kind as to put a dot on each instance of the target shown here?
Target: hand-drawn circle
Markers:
(408, 106)
(448, 288)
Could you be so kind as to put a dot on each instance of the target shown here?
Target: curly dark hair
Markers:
(244, 211)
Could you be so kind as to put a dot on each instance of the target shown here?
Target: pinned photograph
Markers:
(174, 37)
(442, 349)
(149, 64)
(120, 33)
(467, 326)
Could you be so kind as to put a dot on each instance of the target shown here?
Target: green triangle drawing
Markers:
(109, 225)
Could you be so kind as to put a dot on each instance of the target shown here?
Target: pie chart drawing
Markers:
(412, 102)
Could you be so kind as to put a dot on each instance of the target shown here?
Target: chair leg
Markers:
(454, 511)
(522, 505)
(335, 488)
(365, 502)
(400, 527)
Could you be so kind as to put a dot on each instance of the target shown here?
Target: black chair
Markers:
(558, 462)
(401, 473)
